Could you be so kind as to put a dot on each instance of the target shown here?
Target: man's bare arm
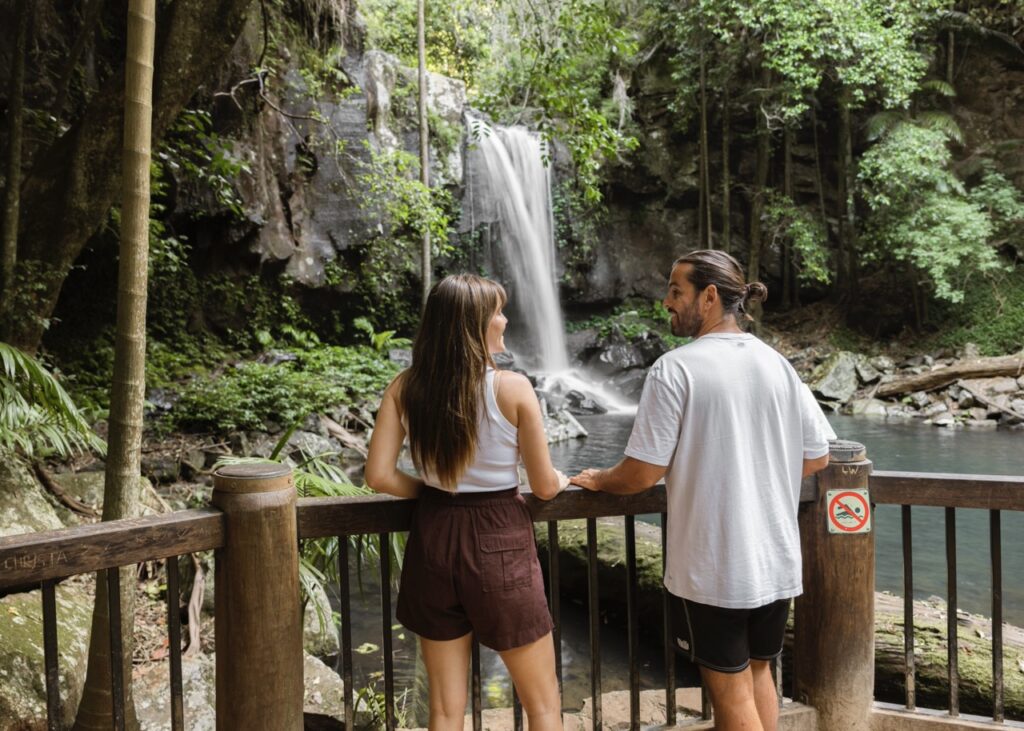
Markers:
(626, 478)
(812, 466)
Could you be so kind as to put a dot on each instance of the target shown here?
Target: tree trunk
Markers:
(78, 175)
(9, 247)
(819, 180)
(845, 277)
(790, 283)
(705, 163)
(421, 43)
(122, 485)
(726, 179)
(1003, 365)
(764, 151)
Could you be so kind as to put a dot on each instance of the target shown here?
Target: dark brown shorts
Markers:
(471, 566)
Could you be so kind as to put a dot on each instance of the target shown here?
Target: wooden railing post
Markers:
(257, 615)
(834, 632)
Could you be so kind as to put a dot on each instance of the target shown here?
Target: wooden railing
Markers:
(256, 522)
(950, 491)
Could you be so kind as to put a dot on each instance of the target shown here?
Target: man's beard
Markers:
(688, 322)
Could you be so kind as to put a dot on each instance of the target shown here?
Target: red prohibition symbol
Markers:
(853, 505)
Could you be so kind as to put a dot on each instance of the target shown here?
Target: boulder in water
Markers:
(836, 378)
(578, 403)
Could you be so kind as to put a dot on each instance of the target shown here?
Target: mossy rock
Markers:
(22, 672)
(974, 637)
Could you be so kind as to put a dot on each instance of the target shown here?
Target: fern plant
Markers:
(37, 417)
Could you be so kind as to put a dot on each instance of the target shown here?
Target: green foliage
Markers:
(552, 63)
(991, 316)
(194, 151)
(785, 222)
(380, 341)
(633, 320)
(405, 209)
(1004, 204)
(921, 213)
(252, 393)
(457, 38)
(37, 417)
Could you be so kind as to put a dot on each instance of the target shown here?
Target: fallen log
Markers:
(1003, 365)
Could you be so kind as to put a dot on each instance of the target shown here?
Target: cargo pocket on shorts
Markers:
(505, 560)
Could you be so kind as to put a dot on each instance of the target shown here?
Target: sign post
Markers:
(834, 645)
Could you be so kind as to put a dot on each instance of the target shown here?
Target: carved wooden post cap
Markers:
(843, 450)
(253, 477)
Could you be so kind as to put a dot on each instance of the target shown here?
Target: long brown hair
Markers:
(442, 390)
(713, 266)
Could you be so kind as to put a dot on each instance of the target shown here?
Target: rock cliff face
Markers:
(310, 144)
(309, 150)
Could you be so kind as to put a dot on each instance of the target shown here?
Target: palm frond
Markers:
(882, 123)
(36, 413)
(939, 86)
(941, 122)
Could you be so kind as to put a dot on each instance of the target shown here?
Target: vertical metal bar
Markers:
(478, 723)
(554, 596)
(517, 711)
(116, 649)
(951, 605)
(385, 610)
(705, 702)
(632, 625)
(670, 653)
(345, 658)
(174, 644)
(909, 682)
(996, 541)
(50, 655)
(595, 622)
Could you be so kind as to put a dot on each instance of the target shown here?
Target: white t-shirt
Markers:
(733, 423)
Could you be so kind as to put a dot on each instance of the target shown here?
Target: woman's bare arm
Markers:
(518, 401)
(382, 473)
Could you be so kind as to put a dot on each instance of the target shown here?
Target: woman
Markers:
(470, 563)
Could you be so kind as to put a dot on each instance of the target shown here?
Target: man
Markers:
(727, 422)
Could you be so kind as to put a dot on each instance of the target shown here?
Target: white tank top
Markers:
(495, 464)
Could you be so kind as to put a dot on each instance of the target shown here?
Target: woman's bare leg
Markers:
(532, 668)
(447, 666)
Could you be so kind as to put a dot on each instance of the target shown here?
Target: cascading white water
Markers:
(519, 184)
(513, 187)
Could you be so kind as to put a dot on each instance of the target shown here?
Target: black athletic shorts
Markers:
(727, 640)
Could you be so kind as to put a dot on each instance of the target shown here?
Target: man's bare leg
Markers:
(732, 697)
(765, 697)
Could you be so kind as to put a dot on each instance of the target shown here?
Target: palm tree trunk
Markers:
(121, 489)
(421, 44)
(12, 191)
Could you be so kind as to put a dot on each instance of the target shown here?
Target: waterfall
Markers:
(509, 184)
(516, 185)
